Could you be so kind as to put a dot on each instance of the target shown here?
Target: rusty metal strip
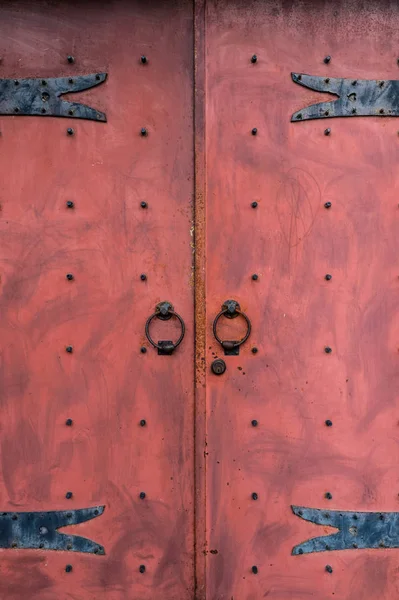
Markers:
(38, 530)
(355, 530)
(356, 97)
(41, 97)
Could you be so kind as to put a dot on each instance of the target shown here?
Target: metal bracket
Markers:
(41, 97)
(38, 530)
(356, 97)
(356, 530)
(165, 347)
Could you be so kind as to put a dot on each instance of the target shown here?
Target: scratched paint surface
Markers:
(291, 386)
(106, 385)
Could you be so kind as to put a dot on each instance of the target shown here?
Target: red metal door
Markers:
(131, 428)
(289, 420)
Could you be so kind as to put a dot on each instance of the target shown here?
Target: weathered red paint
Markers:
(106, 385)
(291, 386)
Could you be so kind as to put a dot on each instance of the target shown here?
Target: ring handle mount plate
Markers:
(164, 311)
(231, 309)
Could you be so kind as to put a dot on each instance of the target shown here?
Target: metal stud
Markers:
(254, 58)
(69, 422)
(70, 59)
(254, 350)
(143, 204)
(142, 568)
(327, 131)
(328, 495)
(327, 59)
(143, 349)
(70, 131)
(68, 495)
(254, 423)
(68, 568)
(328, 423)
(327, 205)
(143, 131)
(143, 277)
(254, 131)
(327, 350)
(142, 495)
(255, 277)
(328, 277)
(69, 349)
(69, 276)
(254, 204)
(143, 423)
(254, 570)
(144, 60)
(329, 569)
(70, 204)
(254, 496)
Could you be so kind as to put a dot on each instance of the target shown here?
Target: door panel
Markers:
(291, 386)
(107, 386)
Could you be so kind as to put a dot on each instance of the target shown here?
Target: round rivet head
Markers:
(143, 349)
(142, 495)
(254, 131)
(329, 569)
(254, 570)
(328, 423)
(143, 131)
(254, 204)
(254, 423)
(327, 59)
(327, 350)
(142, 568)
(68, 495)
(254, 350)
(70, 59)
(255, 277)
(68, 568)
(327, 131)
(143, 277)
(143, 423)
(144, 60)
(327, 205)
(328, 277)
(70, 131)
(69, 349)
(143, 204)
(69, 276)
(328, 495)
(70, 204)
(254, 496)
(69, 422)
(254, 58)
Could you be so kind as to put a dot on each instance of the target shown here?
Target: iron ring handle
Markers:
(238, 312)
(173, 314)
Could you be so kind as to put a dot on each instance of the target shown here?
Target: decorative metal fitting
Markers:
(254, 58)
(70, 131)
(142, 495)
(328, 277)
(254, 131)
(218, 366)
(70, 204)
(143, 131)
(328, 423)
(143, 277)
(231, 310)
(327, 131)
(165, 311)
(327, 59)
(254, 496)
(68, 568)
(329, 569)
(254, 204)
(143, 204)
(328, 495)
(143, 349)
(143, 423)
(255, 277)
(254, 350)
(254, 423)
(254, 570)
(327, 350)
(69, 276)
(69, 349)
(68, 495)
(69, 422)
(142, 568)
(70, 59)
(327, 205)
(144, 60)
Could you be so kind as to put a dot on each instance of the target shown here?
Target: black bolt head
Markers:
(328, 277)
(70, 131)
(143, 349)
(143, 423)
(254, 204)
(143, 277)
(254, 350)
(142, 495)
(327, 350)
(69, 349)
(327, 131)
(327, 205)
(328, 423)
(254, 277)
(68, 495)
(69, 276)
(254, 131)
(143, 131)
(329, 569)
(143, 204)
(70, 204)
(70, 59)
(327, 59)
(69, 422)
(68, 568)
(328, 495)
(254, 423)
(143, 60)
(254, 496)
(142, 568)
(254, 58)
(254, 569)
